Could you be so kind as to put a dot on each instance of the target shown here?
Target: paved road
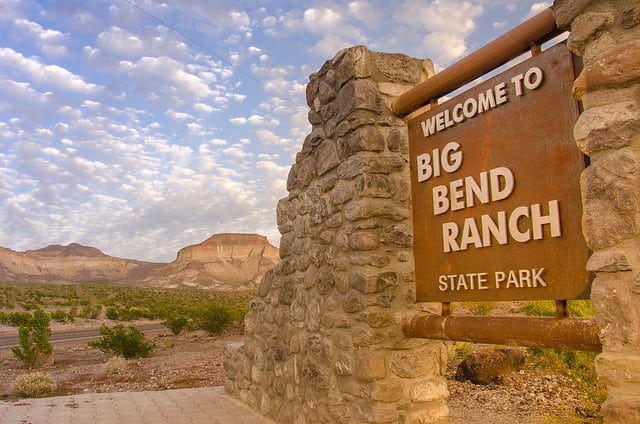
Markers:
(77, 334)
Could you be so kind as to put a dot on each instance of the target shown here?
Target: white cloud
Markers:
(119, 41)
(50, 42)
(537, 8)
(46, 74)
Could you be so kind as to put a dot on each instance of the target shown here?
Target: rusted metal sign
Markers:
(495, 189)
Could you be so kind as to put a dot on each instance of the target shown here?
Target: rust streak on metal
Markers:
(540, 28)
(566, 333)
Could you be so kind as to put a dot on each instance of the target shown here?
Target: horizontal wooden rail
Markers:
(538, 29)
(555, 333)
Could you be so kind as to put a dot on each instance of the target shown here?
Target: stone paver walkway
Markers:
(184, 406)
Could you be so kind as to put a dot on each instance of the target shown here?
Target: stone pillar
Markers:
(606, 33)
(323, 339)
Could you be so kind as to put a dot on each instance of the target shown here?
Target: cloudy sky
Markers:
(141, 126)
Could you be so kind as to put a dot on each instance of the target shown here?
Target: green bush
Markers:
(547, 308)
(62, 316)
(35, 384)
(177, 324)
(34, 340)
(215, 318)
(482, 308)
(15, 319)
(129, 344)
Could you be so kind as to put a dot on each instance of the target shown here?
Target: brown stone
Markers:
(327, 157)
(609, 208)
(586, 28)
(369, 365)
(607, 127)
(357, 165)
(565, 11)
(617, 310)
(375, 185)
(617, 67)
(363, 139)
(355, 95)
(374, 208)
(490, 366)
(622, 410)
(363, 241)
(609, 261)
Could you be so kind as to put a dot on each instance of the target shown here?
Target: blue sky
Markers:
(140, 127)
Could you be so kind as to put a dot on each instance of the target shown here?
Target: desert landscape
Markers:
(195, 359)
(535, 388)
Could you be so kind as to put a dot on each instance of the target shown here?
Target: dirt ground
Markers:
(195, 360)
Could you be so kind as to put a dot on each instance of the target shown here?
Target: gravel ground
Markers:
(195, 360)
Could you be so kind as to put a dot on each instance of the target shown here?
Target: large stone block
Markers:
(327, 157)
(375, 208)
(373, 164)
(363, 139)
(375, 185)
(354, 96)
(610, 208)
(617, 310)
(620, 370)
(622, 410)
(586, 28)
(369, 365)
(565, 11)
(618, 66)
(607, 127)
(429, 390)
(353, 63)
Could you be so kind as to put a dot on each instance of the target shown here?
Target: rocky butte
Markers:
(222, 262)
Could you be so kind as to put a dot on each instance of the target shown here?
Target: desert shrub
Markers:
(91, 311)
(547, 308)
(33, 340)
(482, 308)
(15, 319)
(215, 318)
(114, 365)
(177, 324)
(112, 313)
(34, 384)
(62, 316)
(129, 344)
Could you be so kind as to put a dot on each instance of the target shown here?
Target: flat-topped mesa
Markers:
(229, 246)
(222, 262)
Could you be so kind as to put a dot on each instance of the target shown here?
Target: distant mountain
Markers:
(224, 262)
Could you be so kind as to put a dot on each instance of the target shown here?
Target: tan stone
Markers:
(429, 390)
(616, 67)
(585, 28)
(622, 410)
(433, 413)
(565, 11)
(619, 369)
(607, 127)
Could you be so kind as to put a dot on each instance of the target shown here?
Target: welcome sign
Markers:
(495, 189)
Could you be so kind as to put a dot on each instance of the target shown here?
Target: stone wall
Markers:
(323, 339)
(606, 33)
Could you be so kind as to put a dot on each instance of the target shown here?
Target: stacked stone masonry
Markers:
(606, 34)
(323, 338)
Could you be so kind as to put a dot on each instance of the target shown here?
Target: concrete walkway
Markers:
(189, 406)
